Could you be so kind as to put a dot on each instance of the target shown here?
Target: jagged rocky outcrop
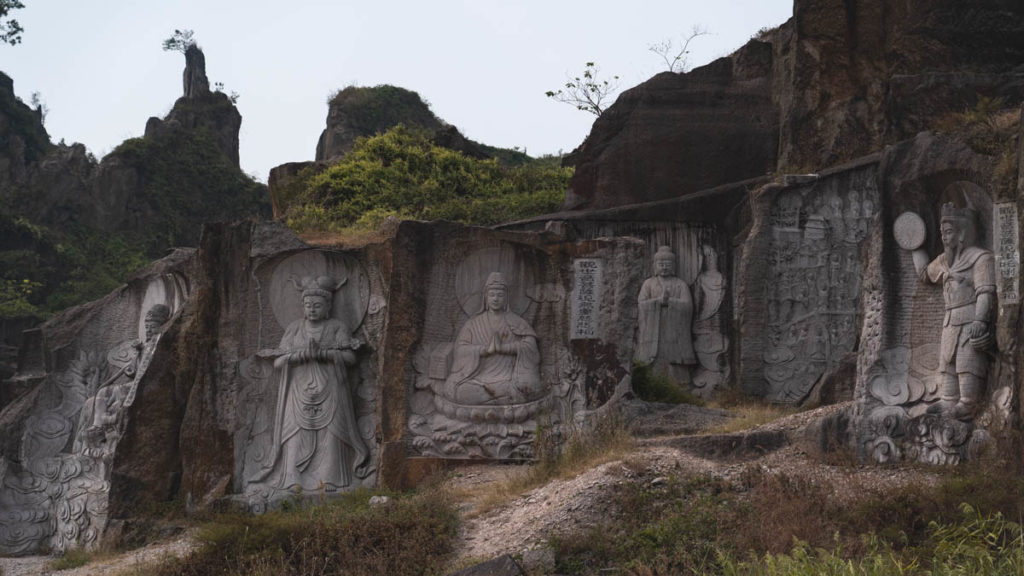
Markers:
(357, 112)
(149, 194)
(194, 82)
(199, 109)
(839, 80)
(131, 189)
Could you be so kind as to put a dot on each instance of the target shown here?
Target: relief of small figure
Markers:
(100, 415)
(710, 342)
(967, 275)
(316, 444)
(665, 339)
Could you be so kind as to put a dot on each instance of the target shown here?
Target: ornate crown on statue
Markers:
(321, 286)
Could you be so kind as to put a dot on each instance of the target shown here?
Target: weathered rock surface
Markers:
(103, 369)
(150, 193)
(194, 82)
(839, 80)
(855, 76)
(574, 349)
(680, 133)
(501, 566)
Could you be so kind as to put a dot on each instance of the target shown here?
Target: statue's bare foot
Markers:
(422, 442)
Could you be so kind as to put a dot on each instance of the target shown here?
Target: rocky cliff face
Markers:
(54, 184)
(679, 133)
(852, 77)
(76, 227)
(840, 79)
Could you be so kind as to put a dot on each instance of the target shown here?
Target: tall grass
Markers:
(768, 524)
(407, 536)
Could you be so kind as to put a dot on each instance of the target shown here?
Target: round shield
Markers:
(909, 230)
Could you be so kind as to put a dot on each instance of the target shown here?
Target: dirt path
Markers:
(525, 522)
(122, 564)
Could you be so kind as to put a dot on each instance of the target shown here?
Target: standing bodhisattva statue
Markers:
(967, 275)
(316, 443)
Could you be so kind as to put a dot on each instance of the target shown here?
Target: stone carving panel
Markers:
(57, 497)
(586, 298)
(1007, 240)
(494, 364)
(813, 284)
(934, 392)
(709, 325)
(308, 402)
(681, 333)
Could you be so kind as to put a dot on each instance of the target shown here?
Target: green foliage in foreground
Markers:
(975, 544)
(654, 387)
(402, 174)
(770, 524)
(408, 535)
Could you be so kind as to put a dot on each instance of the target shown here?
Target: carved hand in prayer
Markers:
(502, 342)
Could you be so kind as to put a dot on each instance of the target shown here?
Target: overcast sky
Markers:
(483, 65)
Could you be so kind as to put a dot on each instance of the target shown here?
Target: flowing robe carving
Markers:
(316, 442)
(709, 341)
(478, 378)
(665, 323)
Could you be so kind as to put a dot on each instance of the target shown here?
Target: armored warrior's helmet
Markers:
(964, 219)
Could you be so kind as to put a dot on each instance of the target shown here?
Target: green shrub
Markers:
(671, 528)
(187, 180)
(975, 543)
(654, 387)
(773, 524)
(402, 173)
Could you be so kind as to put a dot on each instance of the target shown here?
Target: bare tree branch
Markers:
(677, 60)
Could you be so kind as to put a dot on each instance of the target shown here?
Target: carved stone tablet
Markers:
(909, 230)
(586, 298)
(1007, 238)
